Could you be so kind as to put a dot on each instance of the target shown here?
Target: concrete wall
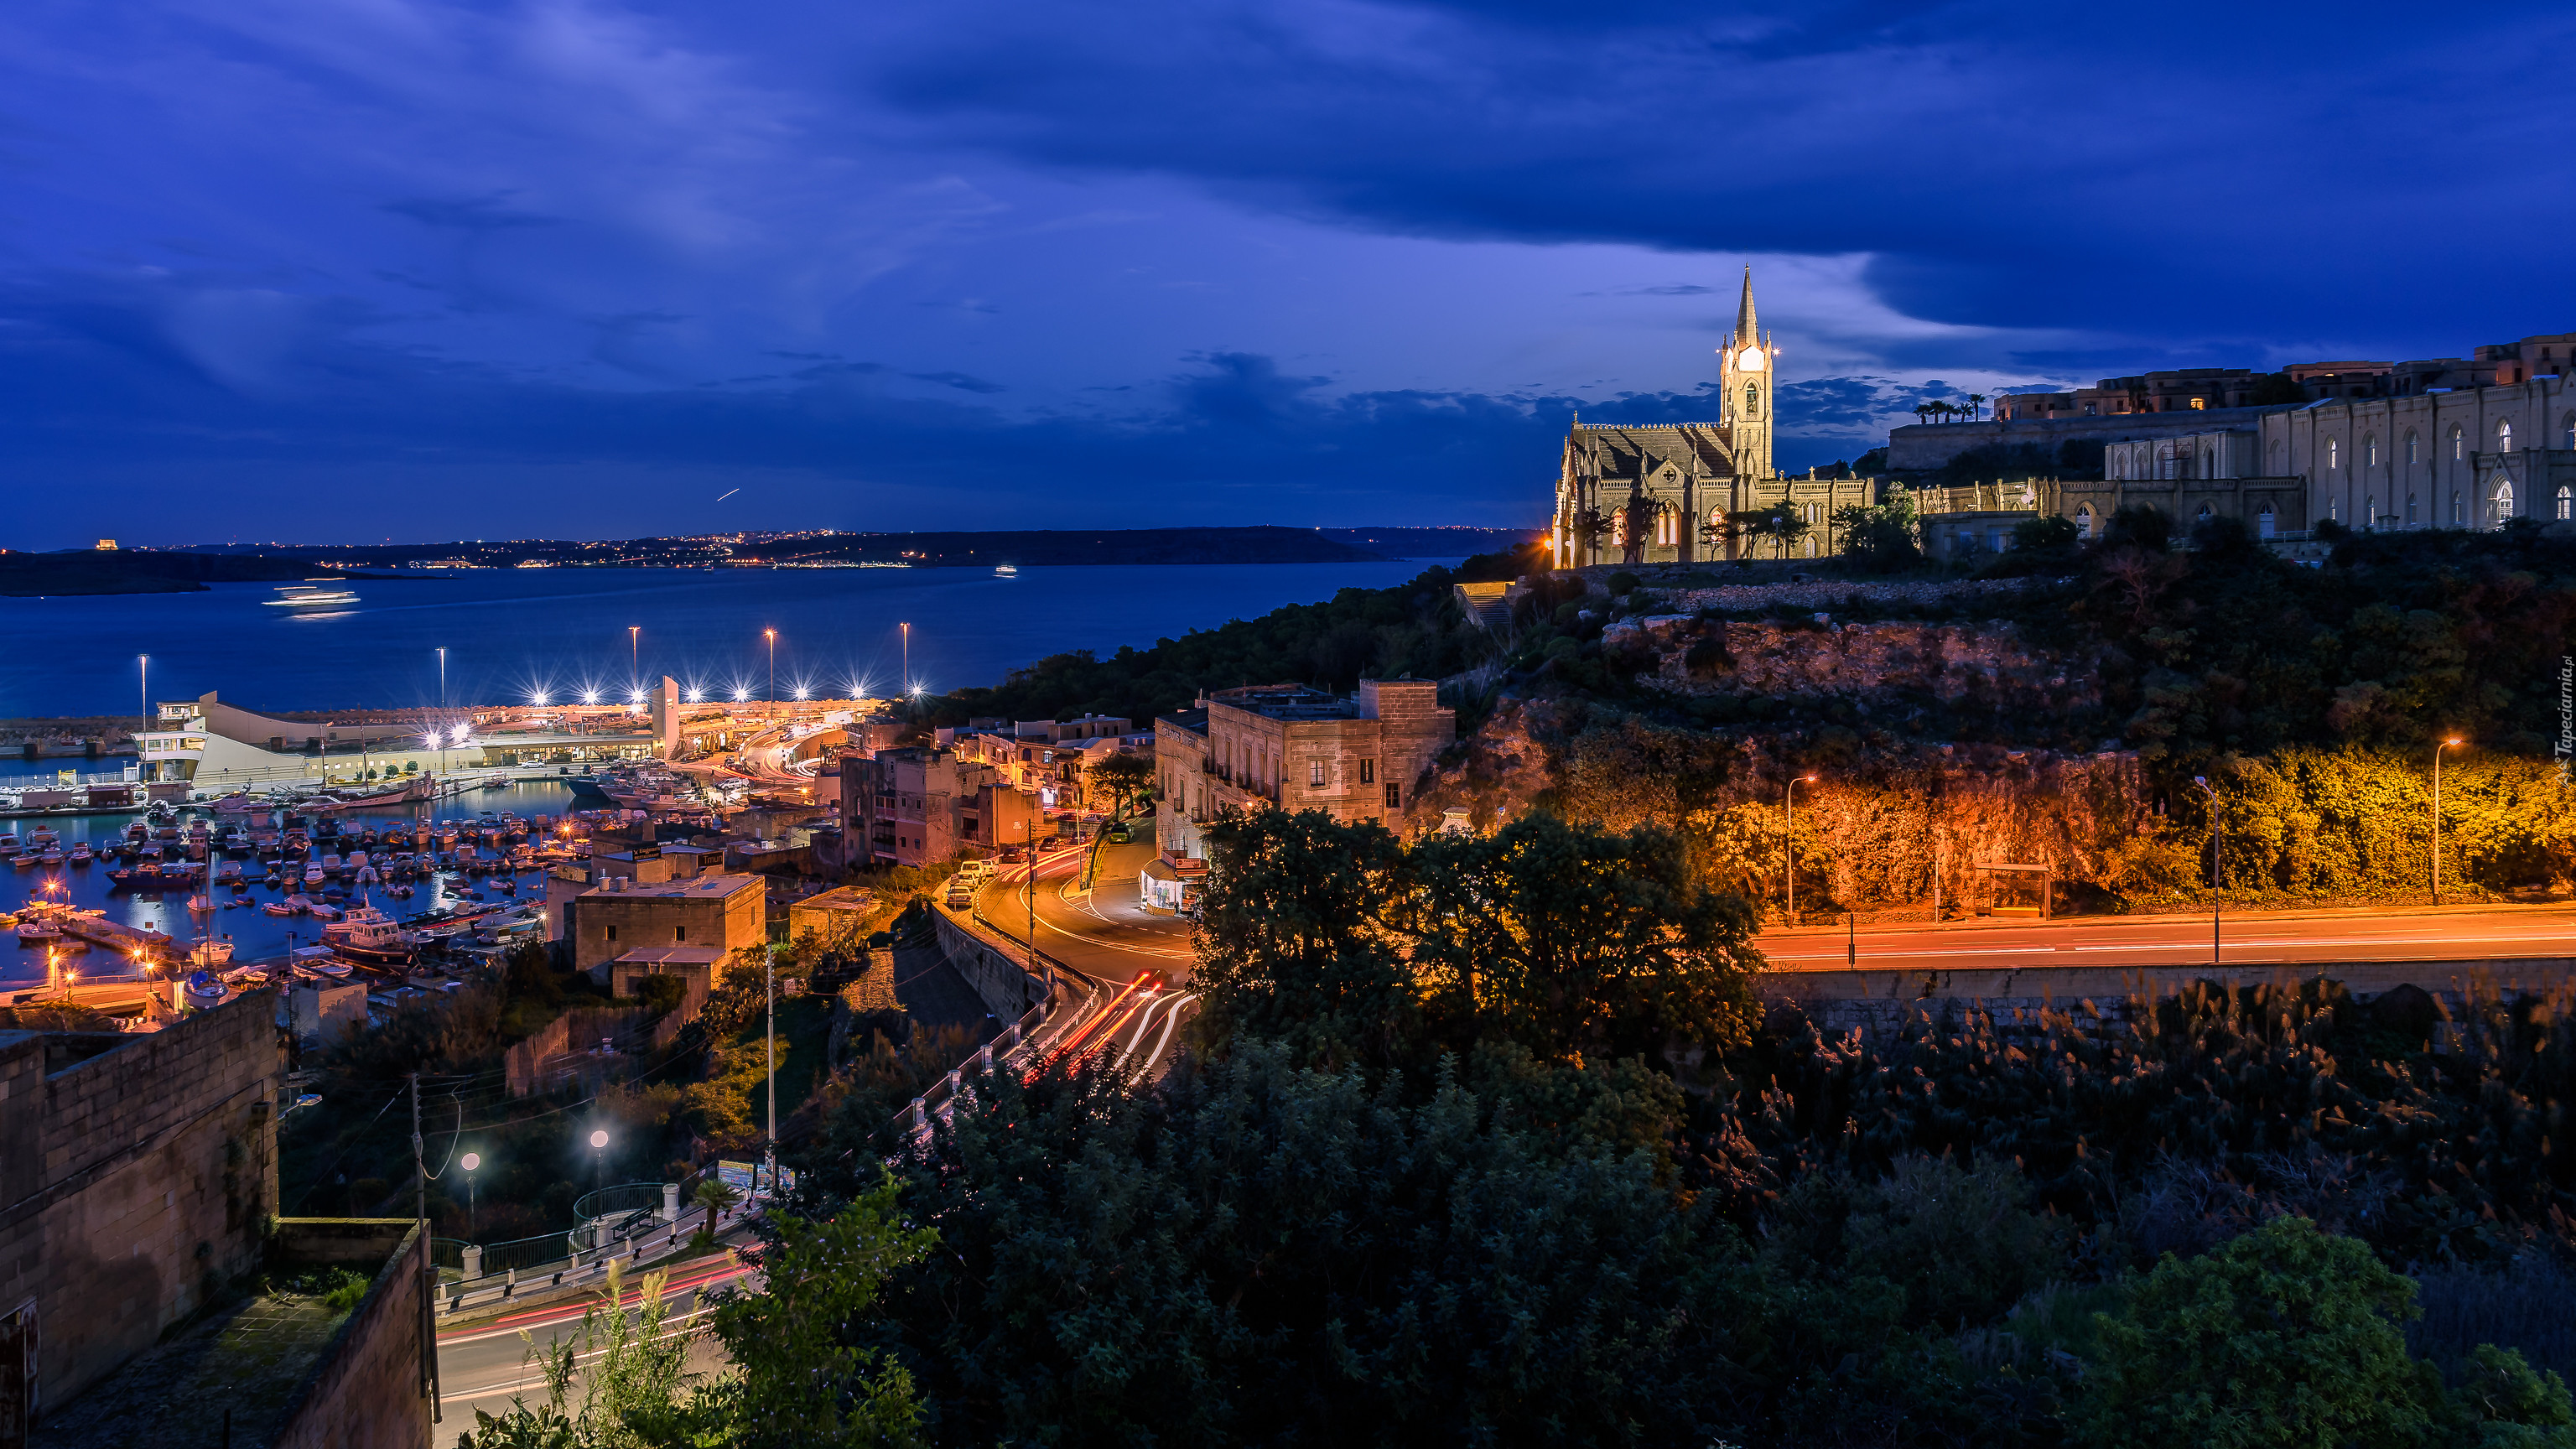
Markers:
(1007, 991)
(136, 1181)
(1881, 1002)
(368, 1390)
(605, 925)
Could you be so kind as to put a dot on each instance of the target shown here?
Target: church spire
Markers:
(1744, 334)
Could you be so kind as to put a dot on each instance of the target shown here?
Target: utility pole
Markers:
(429, 1264)
(773, 664)
(634, 657)
(143, 672)
(2203, 782)
(907, 666)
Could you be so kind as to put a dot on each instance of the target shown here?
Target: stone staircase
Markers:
(1489, 606)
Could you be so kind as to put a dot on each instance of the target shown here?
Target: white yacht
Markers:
(314, 594)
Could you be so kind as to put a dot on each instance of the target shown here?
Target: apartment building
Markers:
(924, 804)
(1295, 747)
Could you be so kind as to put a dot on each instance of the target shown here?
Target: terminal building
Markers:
(214, 745)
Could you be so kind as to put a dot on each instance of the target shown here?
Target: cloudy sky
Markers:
(345, 269)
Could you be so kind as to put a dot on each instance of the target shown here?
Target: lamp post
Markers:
(143, 683)
(2437, 816)
(471, 1161)
(2212, 792)
(770, 982)
(1789, 842)
(599, 1158)
(635, 656)
(907, 658)
(438, 736)
(773, 666)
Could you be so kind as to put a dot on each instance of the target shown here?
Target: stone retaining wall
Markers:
(1882, 1002)
(1007, 991)
(137, 1180)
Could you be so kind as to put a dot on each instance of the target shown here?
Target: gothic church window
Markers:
(2332, 450)
(2566, 497)
(2411, 459)
(1752, 400)
(2504, 436)
(2456, 445)
(2370, 451)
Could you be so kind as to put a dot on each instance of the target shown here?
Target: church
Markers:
(1662, 493)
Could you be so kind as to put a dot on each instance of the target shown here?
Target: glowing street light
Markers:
(2437, 813)
(635, 655)
(741, 696)
(696, 694)
(470, 1161)
(772, 635)
(802, 692)
(599, 1157)
(590, 696)
(1789, 843)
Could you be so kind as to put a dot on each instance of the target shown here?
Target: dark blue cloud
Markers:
(441, 266)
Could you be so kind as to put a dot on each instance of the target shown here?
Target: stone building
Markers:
(1298, 748)
(138, 1191)
(2186, 389)
(1662, 492)
(2442, 459)
(923, 805)
(726, 912)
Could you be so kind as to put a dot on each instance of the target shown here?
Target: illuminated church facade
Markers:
(1661, 493)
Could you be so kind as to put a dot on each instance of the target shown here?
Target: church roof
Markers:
(1691, 447)
(1744, 331)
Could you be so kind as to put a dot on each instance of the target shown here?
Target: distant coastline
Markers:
(192, 569)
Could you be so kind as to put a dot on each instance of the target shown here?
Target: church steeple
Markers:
(1745, 336)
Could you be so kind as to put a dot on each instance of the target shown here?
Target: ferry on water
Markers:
(314, 594)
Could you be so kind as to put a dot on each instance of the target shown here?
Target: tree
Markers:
(1976, 406)
(1293, 942)
(632, 1372)
(802, 1378)
(2284, 1336)
(715, 1195)
(2289, 1335)
(1783, 523)
(1123, 777)
(1884, 535)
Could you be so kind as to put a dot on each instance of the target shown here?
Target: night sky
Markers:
(357, 269)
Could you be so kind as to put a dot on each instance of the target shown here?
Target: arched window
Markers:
(2203, 516)
(2457, 444)
(2084, 520)
(2566, 498)
(2334, 509)
(1752, 400)
(2263, 522)
(2411, 458)
(2333, 455)
(2500, 502)
(2504, 436)
(2370, 510)
(2370, 451)
(2410, 510)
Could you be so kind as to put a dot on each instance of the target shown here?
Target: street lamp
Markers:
(143, 682)
(2437, 815)
(773, 664)
(1789, 842)
(599, 1157)
(2212, 792)
(471, 1161)
(635, 655)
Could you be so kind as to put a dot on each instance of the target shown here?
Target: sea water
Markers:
(512, 635)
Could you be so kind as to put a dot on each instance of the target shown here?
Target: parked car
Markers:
(1013, 855)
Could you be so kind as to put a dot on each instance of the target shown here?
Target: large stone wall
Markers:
(367, 1390)
(1981, 666)
(1879, 1003)
(137, 1181)
(1007, 991)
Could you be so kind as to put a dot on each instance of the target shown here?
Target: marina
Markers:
(368, 892)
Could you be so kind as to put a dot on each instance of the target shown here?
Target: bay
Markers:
(511, 634)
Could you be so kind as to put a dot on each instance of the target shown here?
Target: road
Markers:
(2289, 938)
(483, 1367)
(1104, 933)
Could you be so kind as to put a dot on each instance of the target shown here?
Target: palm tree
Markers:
(715, 1195)
(1976, 406)
(1923, 412)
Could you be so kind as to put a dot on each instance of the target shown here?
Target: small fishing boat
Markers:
(82, 854)
(322, 912)
(204, 989)
(211, 953)
(313, 594)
